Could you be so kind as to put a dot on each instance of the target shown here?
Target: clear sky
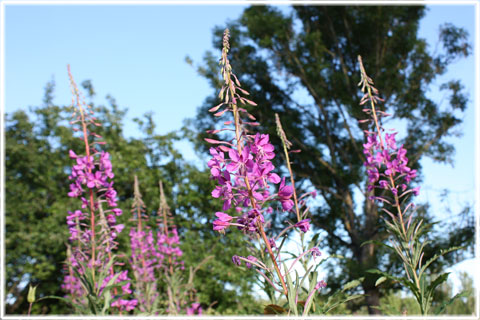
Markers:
(136, 54)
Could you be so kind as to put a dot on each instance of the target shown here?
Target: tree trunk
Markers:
(367, 258)
(372, 299)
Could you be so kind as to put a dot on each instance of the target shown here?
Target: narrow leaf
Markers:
(380, 280)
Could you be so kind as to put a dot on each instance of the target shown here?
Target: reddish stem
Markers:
(87, 150)
(253, 202)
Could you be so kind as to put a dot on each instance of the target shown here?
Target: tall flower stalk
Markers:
(250, 162)
(286, 146)
(156, 262)
(388, 184)
(243, 170)
(144, 257)
(93, 229)
(181, 297)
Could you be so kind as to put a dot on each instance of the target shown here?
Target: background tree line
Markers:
(311, 51)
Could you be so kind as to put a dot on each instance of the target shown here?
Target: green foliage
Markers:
(340, 297)
(408, 245)
(394, 304)
(302, 64)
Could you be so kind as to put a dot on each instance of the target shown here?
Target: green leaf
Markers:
(441, 308)
(297, 282)
(352, 284)
(281, 243)
(305, 276)
(106, 302)
(313, 241)
(291, 291)
(402, 280)
(313, 281)
(340, 302)
(380, 280)
(376, 242)
(438, 281)
(435, 257)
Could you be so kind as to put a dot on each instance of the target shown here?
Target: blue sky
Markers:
(136, 54)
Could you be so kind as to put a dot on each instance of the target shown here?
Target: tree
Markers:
(37, 169)
(303, 66)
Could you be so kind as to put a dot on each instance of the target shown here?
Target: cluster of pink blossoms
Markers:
(96, 176)
(122, 304)
(153, 257)
(253, 165)
(386, 163)
(391, 159)
(169, 250)
(143, 249)
(194, 309)
(154, 254)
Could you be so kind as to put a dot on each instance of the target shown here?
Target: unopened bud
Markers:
(31, 294)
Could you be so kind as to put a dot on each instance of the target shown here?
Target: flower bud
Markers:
(31, 294)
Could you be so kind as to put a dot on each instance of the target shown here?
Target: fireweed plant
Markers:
(181, 293)
(334, 299)
(389, 178)
(157, 265)
(243, 169)
(94, 282)
(144, 255)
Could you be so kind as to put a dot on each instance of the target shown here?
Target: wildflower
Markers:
(316, 252)
(125, 305)
(272, 243)
(321, 284)
(239, 161)
(222, 222)
(416, 191)
(236, 260)
(195, 309)
(92, 242)
(303, 225)
(251, 259)
(244, 177)
(386, 162)
(284, 195)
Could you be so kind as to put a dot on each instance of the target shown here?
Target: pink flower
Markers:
(321, 284)
(303, 225)
(251, 259)
(284, 195)
(195, 309)
(126, 305)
